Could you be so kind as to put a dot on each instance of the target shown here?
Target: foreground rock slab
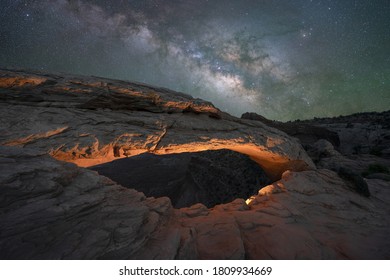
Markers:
(56, 210)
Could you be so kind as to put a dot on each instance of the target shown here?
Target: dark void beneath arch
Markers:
(209, 177)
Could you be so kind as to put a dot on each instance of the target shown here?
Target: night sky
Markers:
(284, 59)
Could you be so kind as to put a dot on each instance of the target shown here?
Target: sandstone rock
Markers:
(55, 210)
(322, 148)
(196, 210)
(51, 209)
(316, 207)
(362, 133)
(354, 142)
(306, 215)
(210, 177)
(356, 181)
(380, 176)
(89, 120)
(306, 133)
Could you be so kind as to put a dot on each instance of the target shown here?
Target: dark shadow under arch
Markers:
(208, 177)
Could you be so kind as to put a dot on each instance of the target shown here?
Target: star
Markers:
(227, 52)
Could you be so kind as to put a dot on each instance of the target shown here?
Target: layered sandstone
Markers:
(52, 126)
(89, 120)
(57, 210)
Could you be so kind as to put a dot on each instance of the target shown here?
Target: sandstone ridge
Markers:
(89, 120)
(51, 207)
(55, 210)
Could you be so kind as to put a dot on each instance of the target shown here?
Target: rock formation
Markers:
(362, 145)
(363, 133)
(56, 210)
(307, 133)
(89, 120)
(209, 177)
(52, 126)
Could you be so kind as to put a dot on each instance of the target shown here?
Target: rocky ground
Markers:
(359, 142)
(327, 201)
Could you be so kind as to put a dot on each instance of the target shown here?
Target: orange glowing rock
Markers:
(89, 121)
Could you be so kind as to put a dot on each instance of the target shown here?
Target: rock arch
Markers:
(89, 120)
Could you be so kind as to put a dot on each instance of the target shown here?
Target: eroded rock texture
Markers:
(56, 210)
(94, 120)
(209, 177)
(50, 208)
(355, 146)
(307, 133)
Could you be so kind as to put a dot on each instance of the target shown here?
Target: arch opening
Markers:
(273, 163)
(209, 177)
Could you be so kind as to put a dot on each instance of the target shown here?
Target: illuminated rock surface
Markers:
(94, 120)
(53, 209)
(209, 177)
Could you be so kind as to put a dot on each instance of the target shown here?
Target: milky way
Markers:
(282, 59)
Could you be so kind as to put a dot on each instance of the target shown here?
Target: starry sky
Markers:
(283, 59)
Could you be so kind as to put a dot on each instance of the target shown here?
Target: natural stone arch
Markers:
(88, 120)
(272, 162)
